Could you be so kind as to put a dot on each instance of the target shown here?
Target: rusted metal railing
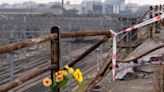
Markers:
(93, 47)
(54, 37)
(25, 77)
(33, 41)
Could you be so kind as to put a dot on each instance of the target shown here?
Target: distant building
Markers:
(114, 6)
(69, 6)
(115, 2)
(91, 6)
(31, 8)
(132, 7)
(5, 5)
(107, 8)
(86, 7)
(19, 5)
(31, 11)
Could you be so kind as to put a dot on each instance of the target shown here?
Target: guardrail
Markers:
(54, 37)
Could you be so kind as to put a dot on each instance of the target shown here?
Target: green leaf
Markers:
(63, 83)
(54, 86)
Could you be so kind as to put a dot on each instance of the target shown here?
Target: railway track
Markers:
(5, 77)
(25, 64)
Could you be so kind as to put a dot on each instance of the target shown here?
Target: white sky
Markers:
(140, 2)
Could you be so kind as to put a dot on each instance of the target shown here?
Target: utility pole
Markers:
(62, 6)
(62, 3)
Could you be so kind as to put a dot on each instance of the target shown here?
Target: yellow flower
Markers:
(64, 73)
(47, 82)
(66, 66)
(78, 75)
(59, 78)
(70, 70)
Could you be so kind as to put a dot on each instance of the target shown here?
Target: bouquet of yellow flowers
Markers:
(61, 78)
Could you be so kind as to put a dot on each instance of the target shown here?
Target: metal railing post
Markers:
(55, 52)
(151, 25)
(156, 24)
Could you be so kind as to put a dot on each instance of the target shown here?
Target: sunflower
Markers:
(78, 75)
(47, 82)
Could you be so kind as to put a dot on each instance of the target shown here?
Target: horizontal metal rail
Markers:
(26, 76)
(134, 59)
(82, 34)
(25, 43)
(33, 41)
(93, 47)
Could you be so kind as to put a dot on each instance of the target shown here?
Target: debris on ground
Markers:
(123, 69)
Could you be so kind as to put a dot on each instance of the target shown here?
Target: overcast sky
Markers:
(141, 2)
